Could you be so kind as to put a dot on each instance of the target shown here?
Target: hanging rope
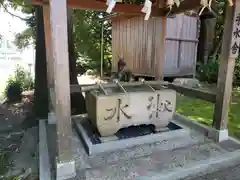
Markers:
(203, 3)
(169, 3)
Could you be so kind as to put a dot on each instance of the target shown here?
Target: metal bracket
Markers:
(119, 85)
(102, 88)
(144, 82)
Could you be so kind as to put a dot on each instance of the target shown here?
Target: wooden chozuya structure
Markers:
(140, 43)
(55, 20)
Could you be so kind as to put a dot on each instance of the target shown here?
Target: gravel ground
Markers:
(19, 145)
(231, 173)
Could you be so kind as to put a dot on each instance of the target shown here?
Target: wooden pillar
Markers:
(50, 61)
(229, 53)
(48, 43)
(59, 53)
(161, 61)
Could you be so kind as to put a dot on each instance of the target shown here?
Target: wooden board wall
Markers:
(140, 43)
(181, 46)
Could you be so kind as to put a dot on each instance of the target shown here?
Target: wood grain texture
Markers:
(225, 74)
(58, 17)
(135, 40)
(101, 6)
(150, 51)
(49, 56)
(160, 10)
(187, 91)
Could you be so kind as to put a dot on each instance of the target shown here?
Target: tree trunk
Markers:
(206, 39)
(77, 100)
(41, 89)
(40, 107)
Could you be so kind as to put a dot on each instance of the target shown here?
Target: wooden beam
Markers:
(101, 6)
(157, 3)
(195, 93)
(190, 92)
(185, 5)
(227, 63)
(48, 44)
(49, 56)
(161, 48)
(58, 17)
(120, 8)
(131, 9)
(84, 88)
(123, 17)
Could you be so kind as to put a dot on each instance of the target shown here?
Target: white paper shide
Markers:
(111, 4)
(147, 8)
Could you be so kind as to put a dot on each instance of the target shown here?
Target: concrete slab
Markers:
(65, 170)
(114, 145)
(154, 161)
(44, 164)
(189, 82)
(209, 132)
(59, 170)
(182, 157)
(52, 118)
(229, 173)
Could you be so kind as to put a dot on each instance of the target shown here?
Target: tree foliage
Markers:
(27, 37)
(87, 37)
(221, 6)
(41, 97)
(209, 72)
(87, 32)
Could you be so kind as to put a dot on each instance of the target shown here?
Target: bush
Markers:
(4, 162)
(236, 77)
(17, 84)
(209, 72)
(13, 90)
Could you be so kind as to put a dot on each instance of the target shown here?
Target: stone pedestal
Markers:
(115, 109)
(66, 170)
(188, 82)
(52, 118)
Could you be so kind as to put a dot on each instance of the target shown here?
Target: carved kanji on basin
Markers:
(117, 109)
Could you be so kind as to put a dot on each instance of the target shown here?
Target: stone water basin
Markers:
(115, 108)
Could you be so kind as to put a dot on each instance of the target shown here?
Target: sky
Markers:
(12, 25)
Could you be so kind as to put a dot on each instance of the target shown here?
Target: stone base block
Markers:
(115, 110)
(66, 170)
(214, 134)
(189, 82)
(218, 135)
(179, 158)
(95, 144)
(52, 118)
(44, 163)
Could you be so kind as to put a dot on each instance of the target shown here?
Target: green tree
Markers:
(27, 37)
(41, 88)
(36, 32)
(87, 32)
(221, 6)
(77, 99)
